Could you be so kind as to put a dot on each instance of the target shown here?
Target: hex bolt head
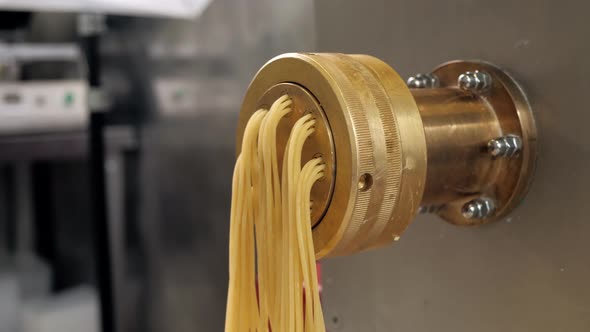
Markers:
(479, 208)
(476, 81)
(425, 209)
(506, 146)
(423, 81)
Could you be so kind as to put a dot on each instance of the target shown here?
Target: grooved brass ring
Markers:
(379, 145)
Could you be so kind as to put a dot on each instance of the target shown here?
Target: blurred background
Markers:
(117, 122)
(117, 128)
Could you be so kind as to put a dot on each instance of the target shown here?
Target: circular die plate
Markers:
(319, 144)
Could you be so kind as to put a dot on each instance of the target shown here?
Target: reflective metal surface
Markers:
(421, 81)
(188, 153)
(527, 272)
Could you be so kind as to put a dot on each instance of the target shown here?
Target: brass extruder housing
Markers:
(461, 143)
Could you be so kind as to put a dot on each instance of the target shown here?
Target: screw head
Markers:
(424, 209)
(476, 81)
(506, 146)
(479, 208)
(496, 147)
(422, 81)
(469, 211)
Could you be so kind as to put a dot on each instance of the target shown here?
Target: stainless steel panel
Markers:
(188, 151)
(529, 272)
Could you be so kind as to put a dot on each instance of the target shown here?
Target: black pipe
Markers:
(99, 215)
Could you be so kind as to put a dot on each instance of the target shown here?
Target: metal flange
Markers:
(482, 141)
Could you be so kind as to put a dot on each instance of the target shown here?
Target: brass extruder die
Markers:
(459, 142)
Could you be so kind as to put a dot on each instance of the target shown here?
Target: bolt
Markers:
(479, 208)
(422, 81)
(429, 209)
(506, 146)
(477, 81)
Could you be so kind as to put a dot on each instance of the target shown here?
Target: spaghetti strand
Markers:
(271, 254)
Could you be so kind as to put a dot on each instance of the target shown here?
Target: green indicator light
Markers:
(178, 95)
(69, 99)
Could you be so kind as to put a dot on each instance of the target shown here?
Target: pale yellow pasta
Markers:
(271, 243)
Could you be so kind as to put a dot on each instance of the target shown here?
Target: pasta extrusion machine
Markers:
(459, 142)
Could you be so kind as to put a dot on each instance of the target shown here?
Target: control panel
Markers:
(43, 106)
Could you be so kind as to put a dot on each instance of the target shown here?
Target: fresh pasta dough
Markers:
(272, 270)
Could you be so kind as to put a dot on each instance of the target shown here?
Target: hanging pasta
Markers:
(271, 254)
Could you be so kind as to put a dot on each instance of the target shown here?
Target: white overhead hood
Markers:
(162, 8)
